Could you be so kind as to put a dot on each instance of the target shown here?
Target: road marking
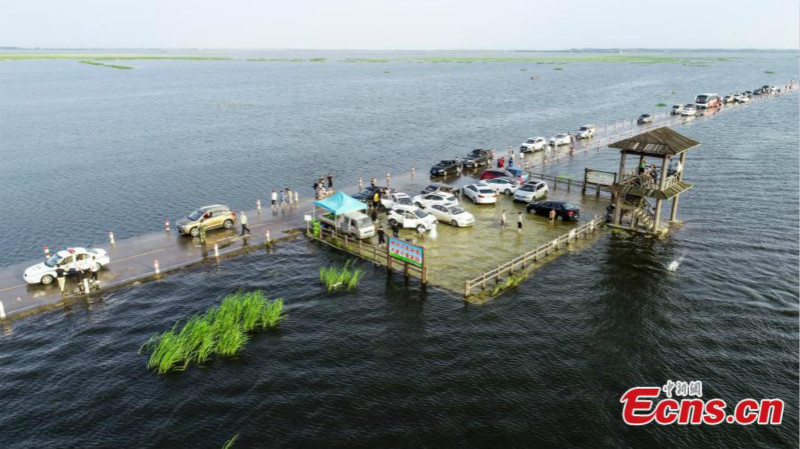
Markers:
(12, 288)
(136, 255)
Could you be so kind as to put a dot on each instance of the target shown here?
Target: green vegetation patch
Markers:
(558, 68)
(106, 57)
(769, 72)
(222, 331)
(344, 277)
(119, 67)
(661, 105)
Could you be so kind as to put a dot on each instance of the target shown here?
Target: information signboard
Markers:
(407, 252)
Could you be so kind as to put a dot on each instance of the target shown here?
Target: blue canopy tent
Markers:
(339, 204)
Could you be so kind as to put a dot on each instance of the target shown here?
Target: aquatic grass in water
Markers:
(222, 330)
(661, 105)
(119, 67)
(229, 444)
(335, 278)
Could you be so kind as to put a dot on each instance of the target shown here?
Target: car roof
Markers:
(71, 251)
(213, 207)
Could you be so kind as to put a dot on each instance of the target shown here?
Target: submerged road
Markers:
(133, 259)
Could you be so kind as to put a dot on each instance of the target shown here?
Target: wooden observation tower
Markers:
(638, 193)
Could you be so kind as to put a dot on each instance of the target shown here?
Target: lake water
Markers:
(89, 149)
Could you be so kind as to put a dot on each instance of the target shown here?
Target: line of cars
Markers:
(534, 144)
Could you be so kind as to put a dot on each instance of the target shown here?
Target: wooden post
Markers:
(466, 289)
(664, 168)
(405, 270)
(618, 202)
(424, 274)
(585, 173)
(674, 213)
(483, 283)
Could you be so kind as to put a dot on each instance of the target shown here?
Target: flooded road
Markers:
(435, 371)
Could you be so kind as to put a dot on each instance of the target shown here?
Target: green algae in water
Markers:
(112, 66)
(558, 68)
(222, 330)
(661, 105)
(769, 72)
(346, 277)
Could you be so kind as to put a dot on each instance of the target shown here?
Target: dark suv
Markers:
(477, 158)
(446, 167)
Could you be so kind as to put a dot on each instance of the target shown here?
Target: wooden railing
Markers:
(367, 250)
(525, 260)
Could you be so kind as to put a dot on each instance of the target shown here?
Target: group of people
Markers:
(284, 197)
(321, 190)
(85, 273)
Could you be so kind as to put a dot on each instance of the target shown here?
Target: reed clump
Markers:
(223, 330)
(344, 277)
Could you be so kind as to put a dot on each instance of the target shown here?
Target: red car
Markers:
(496, 173)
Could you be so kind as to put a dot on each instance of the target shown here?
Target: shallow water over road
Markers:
(393, 364)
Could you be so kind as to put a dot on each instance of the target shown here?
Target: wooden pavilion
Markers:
(634, 189)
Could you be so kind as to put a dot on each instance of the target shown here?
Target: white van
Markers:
(353, 223)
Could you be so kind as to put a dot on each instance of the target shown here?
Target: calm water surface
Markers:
(88, 149)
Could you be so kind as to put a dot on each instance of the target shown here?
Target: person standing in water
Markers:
(274, 199)
(503, 220)
(330, 180)
(519, 223)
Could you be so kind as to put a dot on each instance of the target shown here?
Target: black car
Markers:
(477, 158)
(446, 167)
(365, 196)
(564, 211)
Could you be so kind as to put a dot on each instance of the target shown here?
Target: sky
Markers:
(400, 24)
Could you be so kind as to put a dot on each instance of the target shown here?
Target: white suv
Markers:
(586, 131)
(533, 144)
(411, 217)
(531, 191)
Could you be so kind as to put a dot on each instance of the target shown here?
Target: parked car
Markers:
(446, 168)
(749, 93)
(452, 215)
(533, 144)
(429, 199)
(705, 101)
(531, 191)
(644, 118)
(501, 185)
(214, 217)
(396, 198)
(689, 110)
(354, 223)
(742, 98)
(436, 187)
(496, 173)
(67, 260)
(560, 139)
(480, 194)
(518, 173)
(411, 217)
(677, 109)
(564, 211)
(586, 131)
(727, 99)
(365, 196)
(478, 158)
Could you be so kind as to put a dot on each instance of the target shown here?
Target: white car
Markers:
(501, 185)
(676, 109)
(689, 110)
(452, 215)
(531, 191)
(411, 217)
(533, 144)
(560, 139)
(480, 194)
(586, 131)
(68, 260)
(741, 98)
(429, 199)
(727, 99)
(396, 198)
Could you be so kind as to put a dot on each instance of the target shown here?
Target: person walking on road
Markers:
(243, 221)
(274, 199)
(95, 267)
(282, 197)
(289, 196)
(374, 182)
(61, 277)
(388, 178)
(202, 232)
(330, 180)
(519, 223)
(360, 183)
